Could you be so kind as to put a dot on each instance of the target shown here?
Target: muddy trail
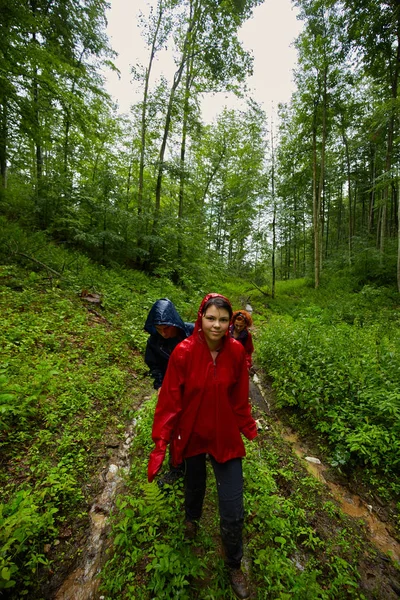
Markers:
(380, 531)
(380, 568)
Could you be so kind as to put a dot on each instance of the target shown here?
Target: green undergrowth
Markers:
(335, 363)
(298, 544)
(67, 379)
(71, 374)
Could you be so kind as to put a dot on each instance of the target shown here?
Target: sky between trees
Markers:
(269, 35)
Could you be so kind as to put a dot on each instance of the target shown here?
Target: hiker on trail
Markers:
(239, 330)
(203, 408)
(166, 329)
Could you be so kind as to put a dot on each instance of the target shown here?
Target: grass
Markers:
(298, 544)
(72, 376)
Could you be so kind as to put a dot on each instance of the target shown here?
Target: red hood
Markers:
(197, 326)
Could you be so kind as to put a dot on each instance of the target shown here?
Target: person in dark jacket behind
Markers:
(203, 409)
(166, 329)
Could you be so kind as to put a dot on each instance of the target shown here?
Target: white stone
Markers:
(311, 459)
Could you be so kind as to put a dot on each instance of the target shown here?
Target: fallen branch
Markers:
(40, 263)
(260, 290)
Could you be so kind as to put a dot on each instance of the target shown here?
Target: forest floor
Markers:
(79, 446)
(379, 575)
(379, 568)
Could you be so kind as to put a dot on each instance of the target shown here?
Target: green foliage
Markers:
(291, 557)
(67, 377)
(24, 528)
(72, 372)
(339, 364)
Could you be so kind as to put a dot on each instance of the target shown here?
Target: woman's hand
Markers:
(156, 459)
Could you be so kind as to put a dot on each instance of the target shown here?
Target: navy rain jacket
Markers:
(158, 349)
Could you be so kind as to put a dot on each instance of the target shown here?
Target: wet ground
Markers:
(82, 582)
(381, 533)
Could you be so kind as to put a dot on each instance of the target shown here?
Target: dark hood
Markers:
(163, 312)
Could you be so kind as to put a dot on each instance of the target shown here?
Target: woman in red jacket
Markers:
(241, 321)
(203, 407)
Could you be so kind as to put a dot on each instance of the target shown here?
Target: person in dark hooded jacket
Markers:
(166, 329)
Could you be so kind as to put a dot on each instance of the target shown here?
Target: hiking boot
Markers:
(191, 529)
(170, 478)
(239, 583)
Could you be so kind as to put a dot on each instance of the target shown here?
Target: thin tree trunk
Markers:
(315, 205)
(322, 168)
(371, 211)
(175, 84)
(67, 183)
(3, 145)
(212, 174)
(143, 125)
(188, 83)
(273, 215)
(348, 172)
(389, 148)
(37, 128)
(328, 214)
(398, 234)
(177, 79)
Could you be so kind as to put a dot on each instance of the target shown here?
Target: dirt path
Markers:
(82, 582)
(380, 533)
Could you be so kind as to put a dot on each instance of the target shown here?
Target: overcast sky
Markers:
(269, 35)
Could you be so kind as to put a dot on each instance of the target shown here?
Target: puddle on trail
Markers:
(351, 504)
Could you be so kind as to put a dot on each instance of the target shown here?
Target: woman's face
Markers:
(215, 324)
(239, 325)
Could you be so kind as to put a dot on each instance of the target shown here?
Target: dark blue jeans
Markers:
(229, 478)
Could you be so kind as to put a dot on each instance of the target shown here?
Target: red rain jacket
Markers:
(203, 406)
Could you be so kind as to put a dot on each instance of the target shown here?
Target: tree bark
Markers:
(3, 144)
(143, 125)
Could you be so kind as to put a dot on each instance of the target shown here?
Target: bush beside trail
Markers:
(341, 375)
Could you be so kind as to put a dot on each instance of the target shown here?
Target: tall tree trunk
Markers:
(371, 210)
(195, 6)
(182, 175)
(37, 127)
(390, 137)
(212, 174)
(3, 144)
(143, 125)
(177, 79)
(67, 179)
(174, 87)
(316, 211)
(328, 215)
(322, 164)
(398, 234)
(273, 216)
(350, 197)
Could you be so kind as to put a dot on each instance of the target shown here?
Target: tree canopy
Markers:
(158, 189)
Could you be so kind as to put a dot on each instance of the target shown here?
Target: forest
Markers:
(101, 214)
